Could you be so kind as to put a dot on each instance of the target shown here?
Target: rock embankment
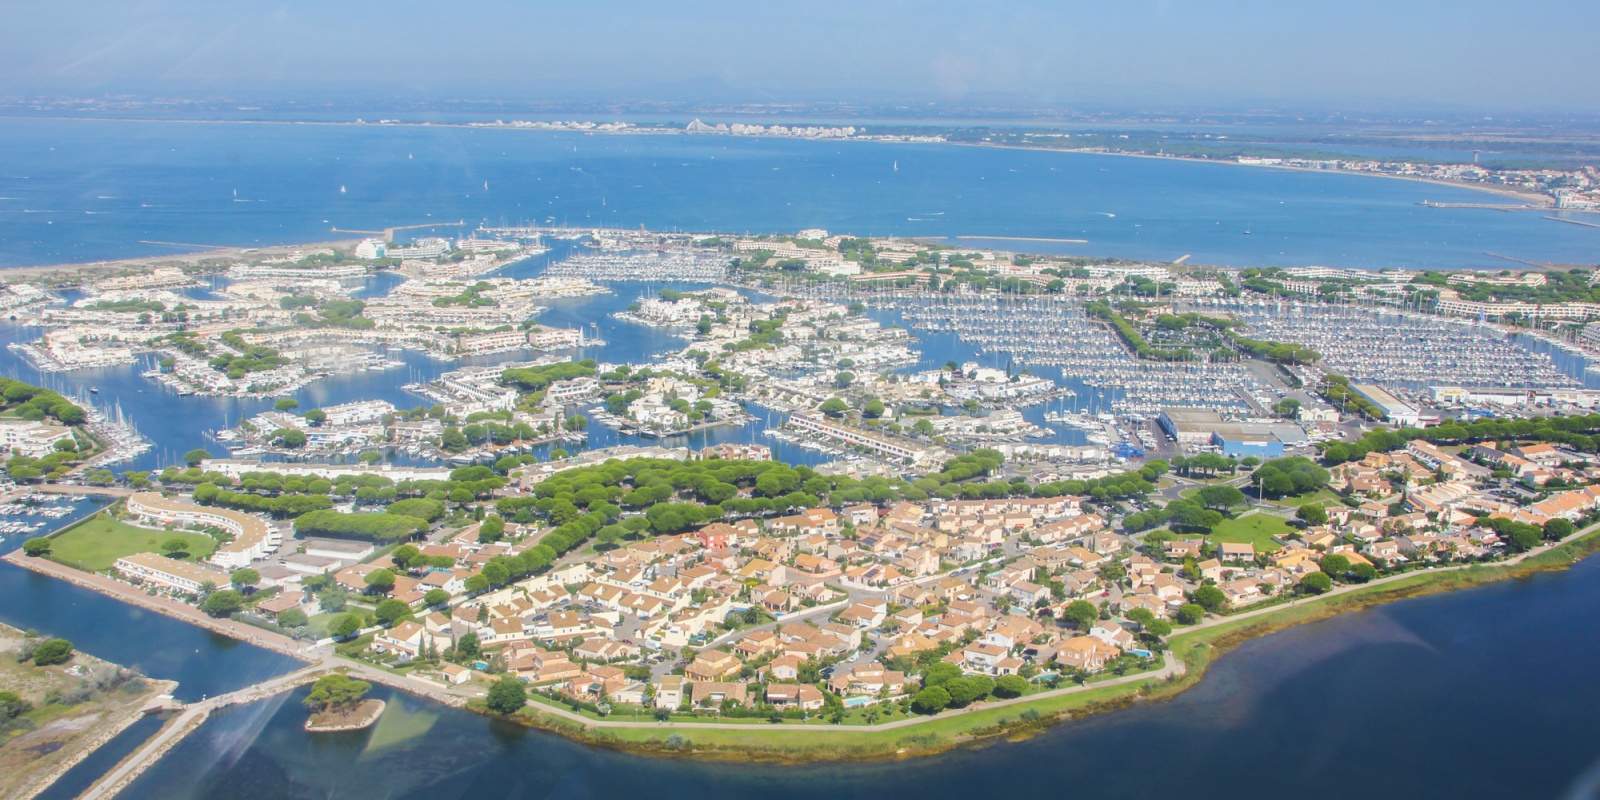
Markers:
(363, 716)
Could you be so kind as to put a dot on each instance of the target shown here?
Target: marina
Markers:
(1057, 333)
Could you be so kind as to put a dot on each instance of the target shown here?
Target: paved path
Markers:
(133, 595)
(1173, 667)
(78, 491)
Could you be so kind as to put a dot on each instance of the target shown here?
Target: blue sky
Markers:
(1394, 55)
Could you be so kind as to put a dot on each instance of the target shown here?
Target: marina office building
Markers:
(1397, 411)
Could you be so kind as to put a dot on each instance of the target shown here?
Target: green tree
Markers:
(223, 603)
(968, 689)
(12, 706)
(52, 651)
(345, 626)
(292, 618)
(1210, 598)
(286, 404)
(492, 529)
(1557, 529)
(931, 700)
(468, 645)
(939, 674)
(1010, 686)
(37, 546)
(408, 556)
(453, 440)
(291, 438)
(391, 611)
(1081, 613)
(242, 578)
(507, 696)
(1312, 514)
(1220, 498)
(833, 407)
(172, 547)
(436, 597)
(336, 693)
(195, 456)
(1317, 582)
(1191, 613)
(1335, 565)
(379, 580)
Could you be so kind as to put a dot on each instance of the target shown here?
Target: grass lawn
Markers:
(98, 542)
(1257, 529)
(1325, 497)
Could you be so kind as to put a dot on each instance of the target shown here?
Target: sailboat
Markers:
(897, 166)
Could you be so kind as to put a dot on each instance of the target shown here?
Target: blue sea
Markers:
(87, 190)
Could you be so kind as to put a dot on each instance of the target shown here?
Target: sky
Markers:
(1389, 55)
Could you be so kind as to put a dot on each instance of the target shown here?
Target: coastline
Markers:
(1522, 196)
(1192, 651)
(128, 594)
(364, 716)
(106, 727)
(86, 270)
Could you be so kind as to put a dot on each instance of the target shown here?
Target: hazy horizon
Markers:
(1365, 56)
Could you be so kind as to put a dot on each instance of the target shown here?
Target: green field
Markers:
(97, 543)
(1257, 529)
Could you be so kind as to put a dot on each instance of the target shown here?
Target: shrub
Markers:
(53, 651)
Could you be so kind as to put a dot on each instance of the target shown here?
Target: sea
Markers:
(1484, 693)
(87, 190)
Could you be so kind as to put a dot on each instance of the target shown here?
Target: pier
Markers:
(1485, 206)
(189, 719)
(388, 233)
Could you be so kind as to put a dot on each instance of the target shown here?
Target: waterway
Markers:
(1483, 694)
(85, 190)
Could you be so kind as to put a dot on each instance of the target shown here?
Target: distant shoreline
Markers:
(1538, 201)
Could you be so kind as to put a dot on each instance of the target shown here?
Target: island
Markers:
(857, 498)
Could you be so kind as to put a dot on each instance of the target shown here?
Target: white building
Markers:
(252, 537)
(422, 248)
(32, 439)
(357, 412)
(171, 574)
(371, 249)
